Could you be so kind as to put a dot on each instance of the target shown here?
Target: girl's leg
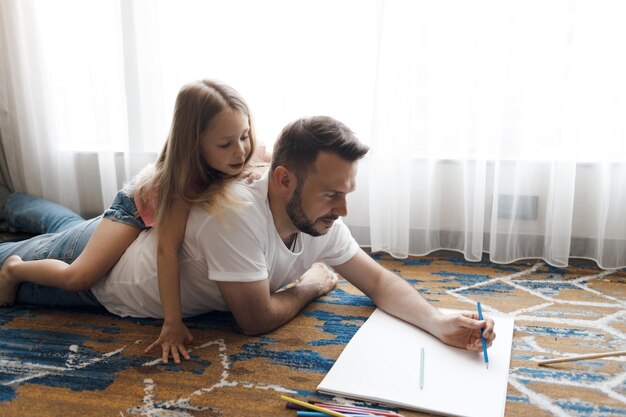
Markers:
(106, 246)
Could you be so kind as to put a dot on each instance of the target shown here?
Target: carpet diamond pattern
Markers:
(57, 362)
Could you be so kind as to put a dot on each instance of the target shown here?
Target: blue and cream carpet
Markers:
(71, 363)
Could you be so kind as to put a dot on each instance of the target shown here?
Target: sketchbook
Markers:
(381, 363)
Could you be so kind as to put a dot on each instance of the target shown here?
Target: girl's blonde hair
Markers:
(180, 171)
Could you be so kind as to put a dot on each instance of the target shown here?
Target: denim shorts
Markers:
(124, 210)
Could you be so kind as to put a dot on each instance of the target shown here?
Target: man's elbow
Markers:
(251, 331)
(254, 327)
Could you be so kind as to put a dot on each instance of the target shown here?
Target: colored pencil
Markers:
(312, 407)
(422, 369)
(482, 338)
(358, 409)
(303, 413)
(582, 357)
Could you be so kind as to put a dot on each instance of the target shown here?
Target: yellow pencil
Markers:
(312, 407)
(582, 357)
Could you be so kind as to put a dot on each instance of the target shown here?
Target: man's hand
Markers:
(319, 276)
(257, 310)
(172, 339)
(463, 331)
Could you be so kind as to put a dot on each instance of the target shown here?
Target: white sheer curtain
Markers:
(495, 126)
(63, 81)
(501, 127)
(90, 84)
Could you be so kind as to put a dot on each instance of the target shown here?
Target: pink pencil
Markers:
(374, 411)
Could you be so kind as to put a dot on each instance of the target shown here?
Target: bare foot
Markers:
(8, 285)
(321, 276)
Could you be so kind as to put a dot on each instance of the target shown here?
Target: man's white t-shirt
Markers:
(239, 244)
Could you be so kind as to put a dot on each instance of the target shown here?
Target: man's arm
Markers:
(257, 311)
(396, 297)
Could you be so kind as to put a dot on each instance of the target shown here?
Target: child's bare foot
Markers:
(8, 285)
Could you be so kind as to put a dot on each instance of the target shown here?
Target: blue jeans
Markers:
(62, 234)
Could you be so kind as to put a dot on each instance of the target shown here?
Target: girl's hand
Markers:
(463, 331)
(254, 172)
(172, 340)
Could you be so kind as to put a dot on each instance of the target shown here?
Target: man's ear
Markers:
(285, 179)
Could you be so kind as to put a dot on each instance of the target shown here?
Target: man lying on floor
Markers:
(269, 234)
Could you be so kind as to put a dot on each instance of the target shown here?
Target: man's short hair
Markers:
(301, 141)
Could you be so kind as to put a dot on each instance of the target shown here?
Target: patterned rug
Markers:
(71, 363)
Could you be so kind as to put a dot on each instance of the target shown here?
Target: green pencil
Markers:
(422, 369)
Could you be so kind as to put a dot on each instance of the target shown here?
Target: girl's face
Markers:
(225, 143)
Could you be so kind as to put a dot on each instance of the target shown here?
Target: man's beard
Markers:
(299, 219)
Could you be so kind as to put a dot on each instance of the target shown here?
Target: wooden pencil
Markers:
(312, 407)
(582, 357)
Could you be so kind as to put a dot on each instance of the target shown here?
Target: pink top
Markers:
(147, 210)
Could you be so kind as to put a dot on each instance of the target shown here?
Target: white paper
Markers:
(381, 363)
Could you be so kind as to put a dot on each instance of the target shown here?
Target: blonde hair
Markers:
(180, 171)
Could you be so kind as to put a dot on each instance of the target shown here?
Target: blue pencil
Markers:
(480, 317)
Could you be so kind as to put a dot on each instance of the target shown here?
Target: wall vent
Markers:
(520, 207)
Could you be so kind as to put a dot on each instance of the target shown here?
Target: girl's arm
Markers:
(174, 333)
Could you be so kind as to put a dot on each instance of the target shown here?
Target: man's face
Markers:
(317, 202)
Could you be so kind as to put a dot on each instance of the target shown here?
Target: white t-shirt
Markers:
(238, 244)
